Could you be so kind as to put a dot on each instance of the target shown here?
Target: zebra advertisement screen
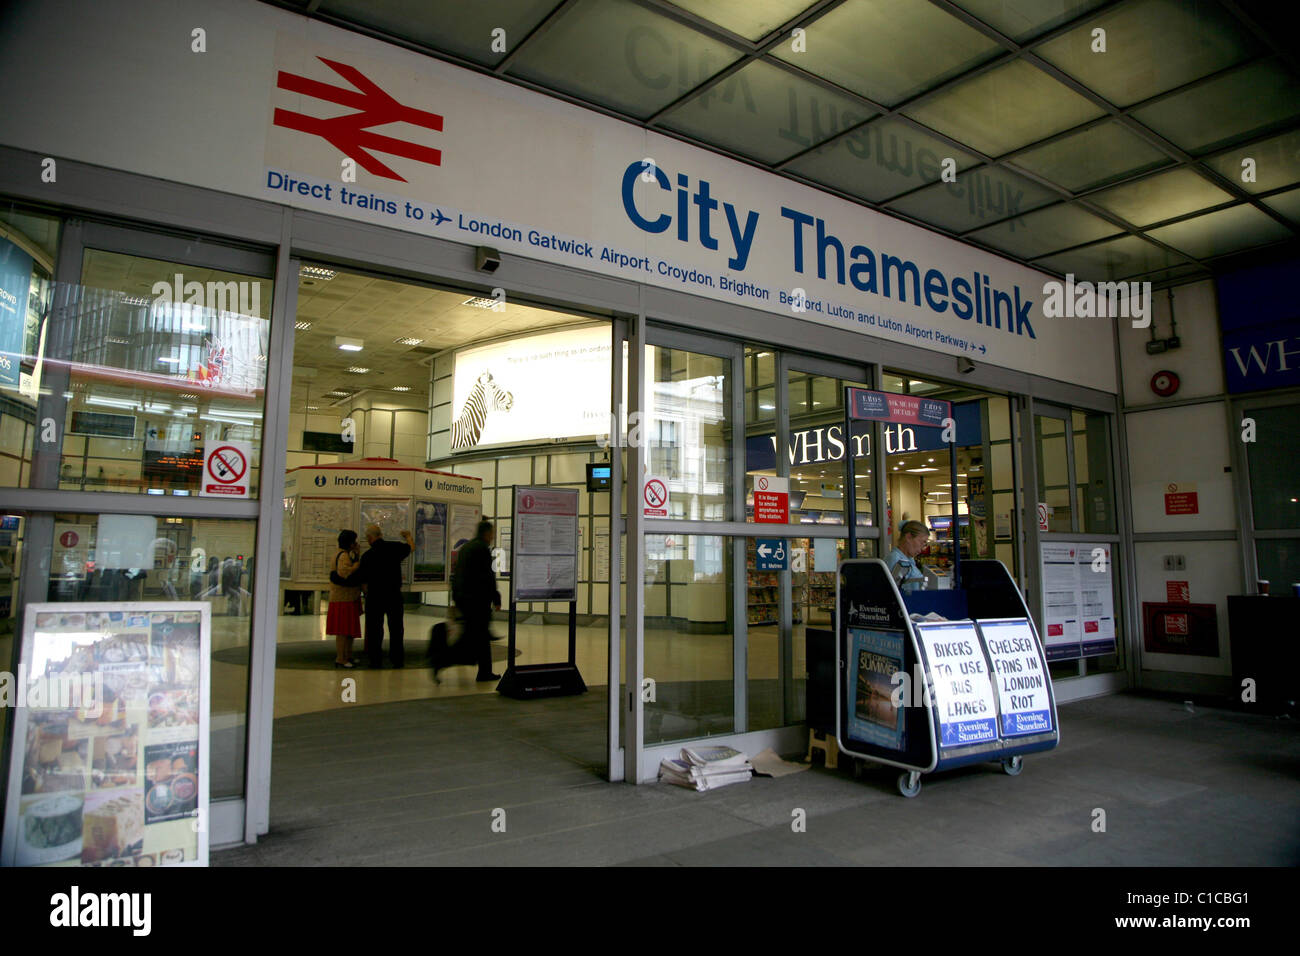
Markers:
(537, 388)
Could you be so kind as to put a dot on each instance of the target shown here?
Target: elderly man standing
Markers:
(381, 573)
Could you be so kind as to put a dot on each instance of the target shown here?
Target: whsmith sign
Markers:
(319, 118)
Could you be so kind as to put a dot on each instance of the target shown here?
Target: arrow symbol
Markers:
(764, 551)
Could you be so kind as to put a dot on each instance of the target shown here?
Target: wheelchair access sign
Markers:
(771, 554)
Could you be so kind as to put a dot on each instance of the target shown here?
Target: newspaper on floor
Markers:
(706, 768)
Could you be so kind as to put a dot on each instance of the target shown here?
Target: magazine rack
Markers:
(970, 686)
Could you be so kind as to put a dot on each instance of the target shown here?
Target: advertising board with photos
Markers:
(110, 759)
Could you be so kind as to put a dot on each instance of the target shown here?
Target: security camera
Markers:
(486, 259)
(965, 365)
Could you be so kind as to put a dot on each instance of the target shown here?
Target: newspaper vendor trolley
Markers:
(930, 696)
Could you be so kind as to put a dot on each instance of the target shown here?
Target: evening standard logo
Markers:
(351, 132)
(75, 909)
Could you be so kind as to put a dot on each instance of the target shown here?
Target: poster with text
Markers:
(1096, 600)
(318, 536)
(393, 515)
(963, 694)
(110, 766)
(462, 521)
(1060, 600)
(1019, 676)
(874, 658)
(430, 541)
(545, 562)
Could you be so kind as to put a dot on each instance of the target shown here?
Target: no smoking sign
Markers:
(654, 498)
(226, 468)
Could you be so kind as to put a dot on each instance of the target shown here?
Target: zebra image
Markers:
(468, 427)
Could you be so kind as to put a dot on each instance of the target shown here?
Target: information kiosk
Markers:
(441, 511)
(938, 679)
(544, 557)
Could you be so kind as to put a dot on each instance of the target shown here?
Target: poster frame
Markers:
(14, 771)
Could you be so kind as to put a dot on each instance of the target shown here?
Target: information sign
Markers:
(771, 500)
(544, 566)
(770, 554)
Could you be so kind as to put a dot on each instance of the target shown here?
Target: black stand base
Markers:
(530, 681)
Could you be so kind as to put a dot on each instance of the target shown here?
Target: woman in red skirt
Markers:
(344, 618)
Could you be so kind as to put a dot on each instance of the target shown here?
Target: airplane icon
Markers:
(440, 217)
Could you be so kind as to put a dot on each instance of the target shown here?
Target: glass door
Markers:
(155, 347)
(691, 625)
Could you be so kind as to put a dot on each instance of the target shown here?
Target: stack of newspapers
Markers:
(706, 768)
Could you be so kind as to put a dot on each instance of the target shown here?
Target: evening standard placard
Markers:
(545, 543)
(963, 694)
(1020, 677)
(110, 763)
(875, 657)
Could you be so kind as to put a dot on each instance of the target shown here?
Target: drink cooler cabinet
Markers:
(850, 695)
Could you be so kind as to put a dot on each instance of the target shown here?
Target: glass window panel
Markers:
(1004, 109)
(766, 112)
(999, 419)
(191, 559)
(689, 630)
(1112, 259)
(1217, 233)
(150, 379)
(1047, 230)
(978, 197)
(1093, 473)
(889, 51)
(1277, 162)
(1160, 197)
(1021, 21)
(688, 431)
(461, 28)
(1084, 159)
(622, 55)
(1279, 563)
(1274, 486)
(1053, 470)
(1287, 203)
(744, 17)
(1152, 46)
(28, 243)
(882, 159)
(1225, 108)
(816, 453)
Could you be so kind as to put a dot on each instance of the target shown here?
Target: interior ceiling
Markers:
(1123, 164)
(380, 313)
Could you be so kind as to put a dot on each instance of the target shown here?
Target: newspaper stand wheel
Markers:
(1012, 766)
(909, 783)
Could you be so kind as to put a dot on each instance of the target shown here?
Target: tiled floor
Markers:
(418, 782)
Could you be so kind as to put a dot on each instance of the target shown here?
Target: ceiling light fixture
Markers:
(401, 388)
(358, 370)
(302, 326)
(349, 345)
(407, 341)
(317, 272)
(480, 302)
(135, 300)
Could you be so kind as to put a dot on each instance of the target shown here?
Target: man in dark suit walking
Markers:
(381, 573)
(474, 590)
